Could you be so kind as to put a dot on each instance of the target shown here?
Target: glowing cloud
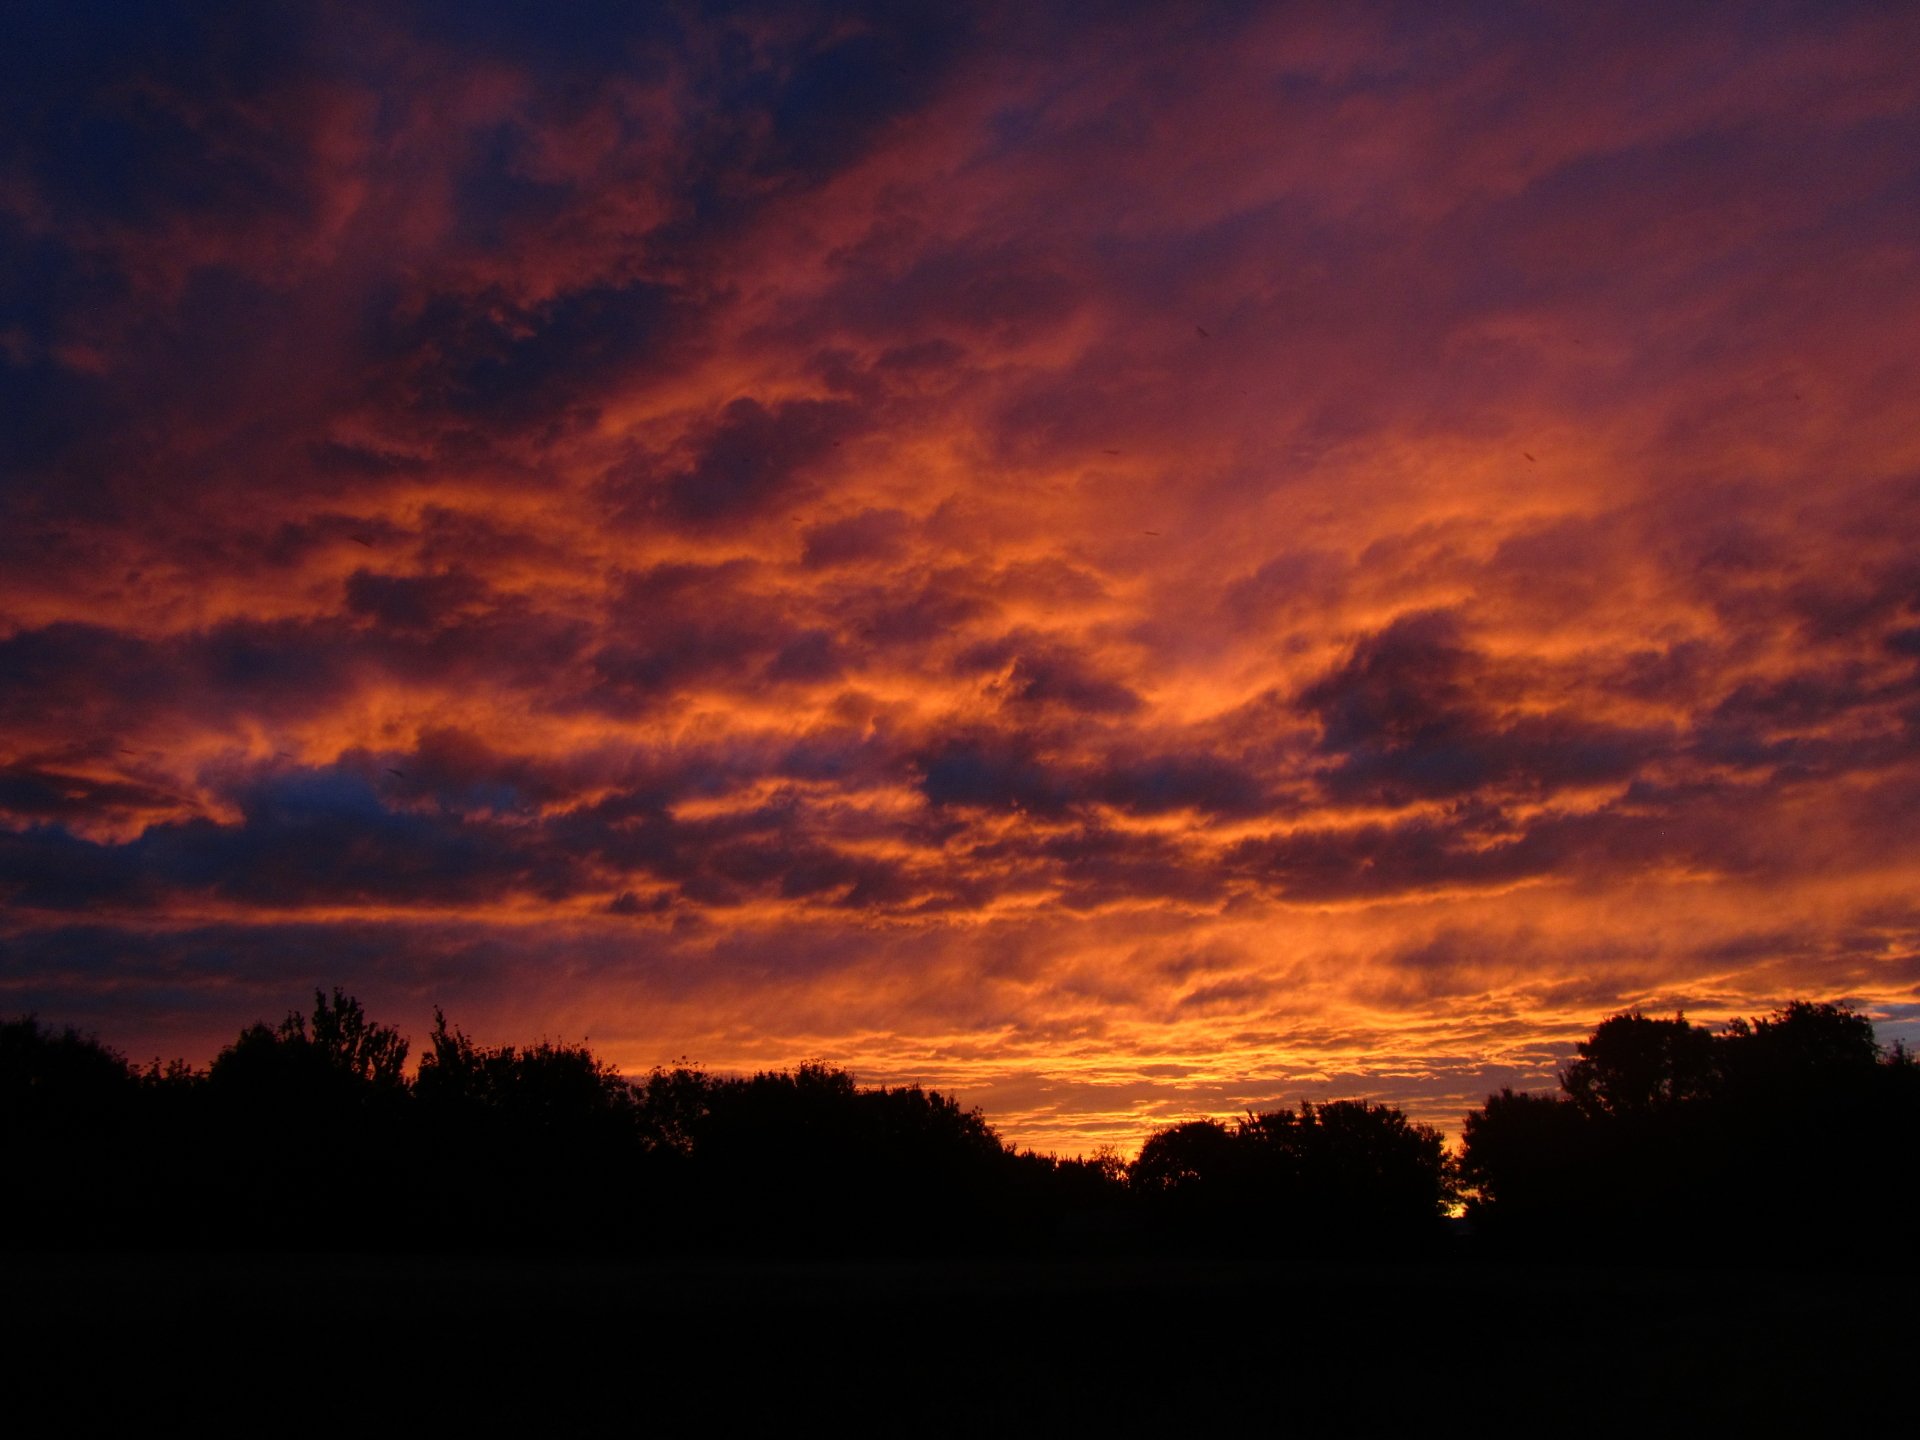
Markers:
(1128, 569)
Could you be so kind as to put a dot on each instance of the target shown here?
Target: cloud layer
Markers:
(1130, 565)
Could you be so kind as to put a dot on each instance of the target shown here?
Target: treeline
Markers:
(313, 1134)
(1784, 1133)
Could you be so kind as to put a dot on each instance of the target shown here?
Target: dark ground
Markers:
(548, 1345)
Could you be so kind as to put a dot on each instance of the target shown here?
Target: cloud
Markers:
(516, 364)
(872, 536)
(751, 456)
(1038, 673)
(411, 602)
(1128, 565)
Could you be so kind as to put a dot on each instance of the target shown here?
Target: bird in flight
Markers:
(1203, 332)
(1529, 457)
(363, 539)
(401, 773)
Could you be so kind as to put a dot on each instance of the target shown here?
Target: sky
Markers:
(1126, 562)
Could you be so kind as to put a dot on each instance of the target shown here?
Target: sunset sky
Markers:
(1124, 562)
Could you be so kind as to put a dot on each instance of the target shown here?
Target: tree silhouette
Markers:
(1348, 1168)
(1527, 1161)
(674, 1107)
(1633, 1066)
(308, 1122)
(526, 1144)
(53, 1081)
(1188, 1159)
(1805, 1046)
(1809, 1122)
(804, 1160)
(339, 1053)
(68, 1110)
(548, 1086)
(1368, 1166)
(1192, 1184)
(1672, 1138)
(1666, 1138)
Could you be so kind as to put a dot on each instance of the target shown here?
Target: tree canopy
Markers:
(1340, 1169)
(1665, 1133)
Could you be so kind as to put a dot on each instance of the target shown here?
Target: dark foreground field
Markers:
(545, 1345)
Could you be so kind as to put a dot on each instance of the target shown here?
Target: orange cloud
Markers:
(1299, 555)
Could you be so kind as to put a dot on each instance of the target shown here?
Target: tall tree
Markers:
(1636, 1066)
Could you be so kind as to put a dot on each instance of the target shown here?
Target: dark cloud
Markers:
(42, 791)
(811, 658)
(363, 461)
(1415, 711)
(412, 602)
(1006, 293)
(872, 536)
(1039, 672)
(273, 670)
(305, 838)
(462, 773)
(1408, 685)
(593, 37)
(922, 358)
(489, 357)
(666, 658)
(1096, 866)
(55, 669)
(992, 773)
(1162, 784)
(47, 868)
(158, 111)
(751, 457)
(944, 605)
(853, 80)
